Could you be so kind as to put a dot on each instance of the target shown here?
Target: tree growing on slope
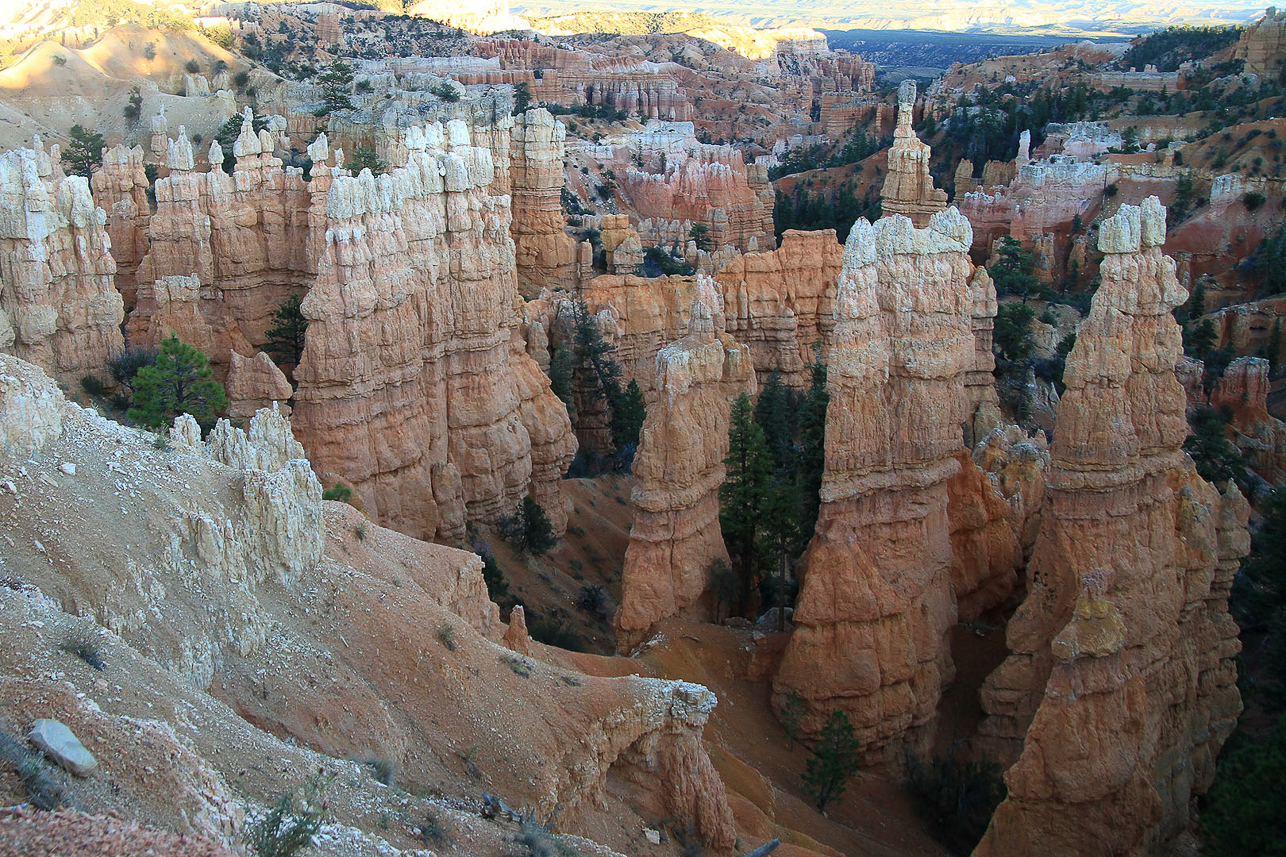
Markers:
(179, 382)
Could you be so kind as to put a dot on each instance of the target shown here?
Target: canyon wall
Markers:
(1120, 685)
(679, 467)
(876, 601)
(58, 306)
(414, 388)
(544, 253)
(781, 303)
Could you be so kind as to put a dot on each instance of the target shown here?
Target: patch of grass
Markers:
(161, 443)
(520, 666)
(44, 786)
(436, 830)
(83, 646)
(446, 636)
(383, 769)
(361, 532)
(93, 386)
(539, 841)
(291, 823)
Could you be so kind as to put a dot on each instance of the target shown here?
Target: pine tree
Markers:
(1012, 333)
(561, 366)
(1014, 273)
(179, 382)
(286, 337)
(522, 97)
(812, 448)
(84, 154)
(828, 773)
(779, 541)
(776, 413)
(628, 413)
(700, 235)
(744, 491)
(539, 533)
(1217, 459)
(336, 83)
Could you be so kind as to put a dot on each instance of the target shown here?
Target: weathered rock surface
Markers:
(120, 188)
(253, 384)
(781, 302)
(679, 467)
(414, 388)
(544, 254)
(876, 601)
(1243, 390)
(58, 306)
(1120, 685)
(242, 607)
(908, 188)
(62, 746)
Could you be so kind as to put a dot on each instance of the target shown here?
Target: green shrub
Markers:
(93, 386)
(44, 785)
(83, 646)
(827, 774)
(957, 798)
(339, 492)
(291, 823)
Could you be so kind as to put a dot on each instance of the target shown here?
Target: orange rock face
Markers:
(877, 601)
(545, 255)
(1261, 437)
(679, 467)
(1120, 686)
(58, 306)
(781, 303)
(415, 388)
(120, 189)
(908, 188)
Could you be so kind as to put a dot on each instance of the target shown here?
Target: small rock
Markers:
(652, 836)
(63, 747)
(68, 468)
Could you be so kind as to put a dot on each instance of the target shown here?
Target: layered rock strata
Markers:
(679, 467)
(58, 306)
(120, 188)
(781, 303)
(414, 388)
(908, 188)
(1120, 685)
(876, 601)
(544, 253)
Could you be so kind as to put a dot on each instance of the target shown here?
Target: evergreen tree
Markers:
(1243, 812)
(539, 533)
(84, 154)
(1199, 338)
(179, 382)
(776, 413)
(1217, 459)
(780, 541)
(628, 413)
(1014, 273)
(286, 337)
(522, 97)
(366, 159)
(1012, 332)
(336, 84)
(828, 773)
(561, 366)
(1268, 262)
(700, 234)
(744, 491)
(812, 448)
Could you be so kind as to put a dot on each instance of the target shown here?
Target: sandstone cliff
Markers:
(679, 466)
(781, 302)
(544, 254)
(876, 601)
(1120, 686)
(415, 389)
(908, 188)
(58, 306)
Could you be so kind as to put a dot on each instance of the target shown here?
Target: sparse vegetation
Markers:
(446, 636)
(336, 84)
(339, 492)
(286, 337)
(553, 632)
(520, 665)
(528, 529)
(366, 159)
(539, 841)
(957, 798)
(290, 824)
(436, 831)
(827, 774)
(83, 646)
(44, 784)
